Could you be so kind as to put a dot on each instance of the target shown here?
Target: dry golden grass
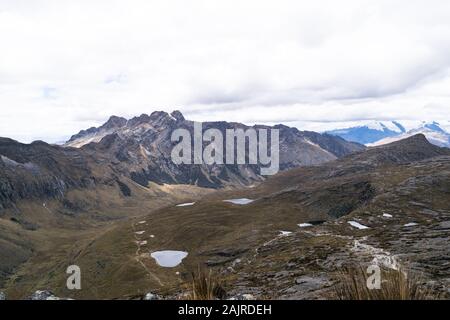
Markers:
(395, 285)
(205, 285)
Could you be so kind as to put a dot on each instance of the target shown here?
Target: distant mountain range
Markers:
(140, 148)
(377, 133)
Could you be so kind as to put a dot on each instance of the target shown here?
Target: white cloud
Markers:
(67, 65)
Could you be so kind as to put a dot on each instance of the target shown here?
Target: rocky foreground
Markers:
(405, 226)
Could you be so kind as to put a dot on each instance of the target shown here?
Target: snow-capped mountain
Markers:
(370, 132)
(432, 131)
(379, 133)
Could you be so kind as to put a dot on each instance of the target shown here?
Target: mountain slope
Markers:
(40, 170)
(52, 198)
(409, 180)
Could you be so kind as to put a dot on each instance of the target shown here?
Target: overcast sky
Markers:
(69, 65)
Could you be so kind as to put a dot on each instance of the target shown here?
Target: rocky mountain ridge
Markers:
(141, 148)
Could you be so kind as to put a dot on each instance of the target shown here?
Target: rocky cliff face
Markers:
(42, 171)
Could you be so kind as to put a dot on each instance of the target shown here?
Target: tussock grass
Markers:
(395, 285)
(205, 285)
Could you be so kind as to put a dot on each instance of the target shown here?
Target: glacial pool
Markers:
(168, 258)
(242, 201)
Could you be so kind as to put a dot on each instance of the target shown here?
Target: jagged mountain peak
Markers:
(114, 122)
(177, 115)
(143, 118)
(156, 117)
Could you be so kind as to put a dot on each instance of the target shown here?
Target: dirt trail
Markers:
(138, 255)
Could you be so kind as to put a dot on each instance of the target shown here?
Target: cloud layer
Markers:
(68, 65)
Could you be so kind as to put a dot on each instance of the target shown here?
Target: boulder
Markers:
(42, 295)
(152, 296)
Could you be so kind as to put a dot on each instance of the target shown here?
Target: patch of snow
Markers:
(311, 143)
(317, 146)
(146, 152)
(411, 224)
(242, 201)
(387, 215)
(95, 137)
(142, 222)
(142, 243)
(168, 258)
(7, 161)
(438, 138)
(375, 125)
(152, 236)
(235, 262)
(186, 204)
(305, 225)
(446, 125)
(243, 297)
(357, 225)
(411, 124)
(391, 125)
(140, 232)
(285, 233)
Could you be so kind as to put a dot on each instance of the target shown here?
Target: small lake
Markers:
(168, 258)
(242, 201)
